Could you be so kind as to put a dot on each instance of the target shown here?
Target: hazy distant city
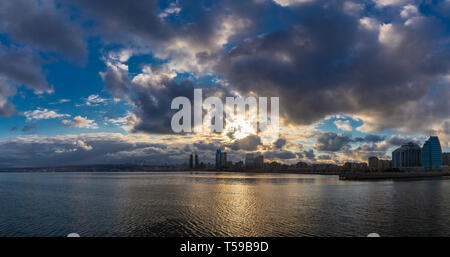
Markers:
(408, 157)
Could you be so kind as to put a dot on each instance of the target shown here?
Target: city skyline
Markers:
(409, 157)
(83, 83)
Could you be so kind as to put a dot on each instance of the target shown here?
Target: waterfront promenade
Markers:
(392, 175)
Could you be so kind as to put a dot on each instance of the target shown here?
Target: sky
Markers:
(84, 82)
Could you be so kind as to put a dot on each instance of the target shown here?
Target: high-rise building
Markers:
(197, 165)
(376, 164)
(373, 163)
(223, 160)
(384, 164)
(191, 162)
(249, 160)
(432, 154)
(407, 156)
(259, 162)
(218, 159)
(446, 159)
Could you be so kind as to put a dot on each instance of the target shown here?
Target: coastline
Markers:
(343, 175)
(392, 175)
(90, 170)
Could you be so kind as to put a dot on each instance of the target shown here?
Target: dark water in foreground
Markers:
(218, 204)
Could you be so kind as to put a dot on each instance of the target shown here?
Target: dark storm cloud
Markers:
(320, 61)
(7, 109)
(117, 82)
(143, 22)
(6, 91)
(332, 142)
(371, 138)
(126, 18)
(280, 155)
(398, 141)
(19, 66)
(42, 25)
(324, 62)
(446, 127)
(249, 143)
(152, 105)
(24, 69)
(316, 56)
(205, 146)
(308, 154)
(279, 143)
(324, 157)
(380, 149)
(152, 98)
(30, 26)
(83, 149)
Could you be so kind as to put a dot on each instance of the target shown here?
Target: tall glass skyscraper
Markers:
(432, 154)
(218, 159)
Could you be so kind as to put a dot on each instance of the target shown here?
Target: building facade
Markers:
(432, 154)
(384, 164)
(376, 164)
(218, 159)
(373, 163)
(446, 159)
(355, 166)
(197, 164)
(249, 160)
(223, 160)
(259, 163)
(408, 155)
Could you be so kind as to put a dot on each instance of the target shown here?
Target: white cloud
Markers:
(61, 101)
(198, 58)
(369, 23)
(153, 77)
(127, 122)
(447, 77)
(122, 55)
(77, 145)
(43, 114)
(173, 9)
(291, 2)
(83, 145)
(352, 8)
(80, 122)
(409, 11)
(343, 125)
(94, 100)
(383, 3)
(389, 36)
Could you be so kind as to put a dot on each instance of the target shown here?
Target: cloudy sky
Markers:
(85, 82)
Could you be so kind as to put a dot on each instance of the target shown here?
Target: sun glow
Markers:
(238, 128)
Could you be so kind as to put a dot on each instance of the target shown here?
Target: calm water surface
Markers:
(218, 204)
